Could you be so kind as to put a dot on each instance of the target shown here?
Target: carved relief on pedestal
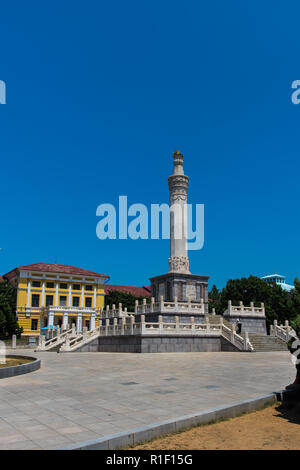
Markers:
(179, 264)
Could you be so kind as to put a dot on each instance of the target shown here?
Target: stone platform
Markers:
(84, 396)
(157, 344)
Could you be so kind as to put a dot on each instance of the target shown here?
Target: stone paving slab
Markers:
(79, 397)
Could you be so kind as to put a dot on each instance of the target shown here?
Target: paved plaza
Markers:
(77, 397)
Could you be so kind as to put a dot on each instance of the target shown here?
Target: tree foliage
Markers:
(125, 298)
(8, 320)
(280, 305)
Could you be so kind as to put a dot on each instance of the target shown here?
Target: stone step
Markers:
(263, 343)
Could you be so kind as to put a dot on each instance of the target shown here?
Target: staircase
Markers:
(215, 320)
(260, 343)
(263, 343)
(54, 344)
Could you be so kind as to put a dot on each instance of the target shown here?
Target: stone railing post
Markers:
(161, 325)
(84, 333)
(207, 322)
(42, 342)
(232, 332)
(136, 306)
(192, 319)
(125, 311)
(246, 339)
(120, 309)
(113, 308)
(286, 323)
(115, 326)
(106, 326)
(152, 304)
(73, 329)
(177, 324)
(131, 325)
(213, 311)
(241, 306)
(14, 342)
(144, 306)
(67, 343)
(221, 321)
(229, 307)
(262, 306)
(107, 310)
(123, 320)
(176, 303)
(161, 303)
(142, 318)
(252, 306)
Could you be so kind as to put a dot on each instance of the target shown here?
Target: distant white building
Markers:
(278, 279)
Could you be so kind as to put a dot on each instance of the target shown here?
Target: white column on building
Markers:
(28, 292)
(56, 294)
(178, 186)
(65, 320)
(70, 295)
(93, 321)
(79, 322)
(43, 294)
(95, 296)
(82, 296)
(50, 318)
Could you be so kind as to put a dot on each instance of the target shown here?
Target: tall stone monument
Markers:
(179, 284)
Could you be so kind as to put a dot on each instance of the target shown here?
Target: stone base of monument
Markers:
(183, 287)
(158, 344)
(127, 332)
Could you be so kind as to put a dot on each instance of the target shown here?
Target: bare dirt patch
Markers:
(275, 427)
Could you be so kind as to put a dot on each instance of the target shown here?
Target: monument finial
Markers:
(178, 163)
(177, 155)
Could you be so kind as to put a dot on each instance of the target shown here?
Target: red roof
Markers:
(55, 268)
(144, 291)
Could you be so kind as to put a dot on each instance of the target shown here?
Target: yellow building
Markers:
(57, 295)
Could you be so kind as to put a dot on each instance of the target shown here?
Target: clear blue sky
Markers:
(99, 95)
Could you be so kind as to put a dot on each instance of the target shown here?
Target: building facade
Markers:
(54, 295)
(279, 280)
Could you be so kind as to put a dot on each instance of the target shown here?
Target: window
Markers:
(34, 324)
(76, 286)
(49, 300)
(63, 300)
(75, 302)
(50, 285)
(35, 300)
(36, 284)
(88, 287)
(63, 285)
(88, 301)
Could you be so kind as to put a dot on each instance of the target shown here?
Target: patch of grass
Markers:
(17, 361)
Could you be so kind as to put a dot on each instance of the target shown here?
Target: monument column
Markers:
(178, 186)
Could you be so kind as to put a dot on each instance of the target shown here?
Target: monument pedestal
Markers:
(183, 287)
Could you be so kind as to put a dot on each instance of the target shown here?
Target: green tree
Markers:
(214, 299)
(280, 305)
(125, 298)
(8, 320)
